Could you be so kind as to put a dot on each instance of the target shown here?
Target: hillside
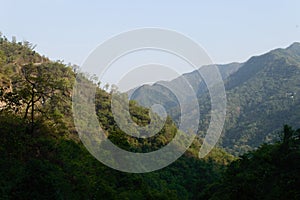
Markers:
(270, 172)
(262, 95)
(41, 156)
(147, 95)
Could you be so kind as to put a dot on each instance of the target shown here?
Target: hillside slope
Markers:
(262, 95)
(41, 156)
(158, 93)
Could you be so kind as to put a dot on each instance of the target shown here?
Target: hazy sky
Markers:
(227, 30)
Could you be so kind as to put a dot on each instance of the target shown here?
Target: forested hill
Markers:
(157, 93)
(41, 156)
(262, 95)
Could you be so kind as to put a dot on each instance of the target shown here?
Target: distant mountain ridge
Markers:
(262, 93)
(262, 96)
(157, 93)
(194, 77)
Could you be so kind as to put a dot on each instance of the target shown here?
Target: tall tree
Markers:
(38, 89)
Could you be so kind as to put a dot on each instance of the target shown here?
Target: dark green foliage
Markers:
(49, 162)
(43, 167)
(271, 172)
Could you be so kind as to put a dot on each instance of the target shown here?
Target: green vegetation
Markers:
(44, 167)
(262, 96)
(41, 156)
(270, 172)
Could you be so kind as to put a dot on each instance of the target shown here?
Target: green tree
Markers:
(270, 172)
(39, 90)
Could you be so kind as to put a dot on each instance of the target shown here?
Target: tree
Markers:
(270, 172)
(39, 90)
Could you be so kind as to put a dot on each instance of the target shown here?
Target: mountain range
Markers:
(42, 155)
(262, 95)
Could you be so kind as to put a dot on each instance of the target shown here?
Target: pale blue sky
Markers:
(227, 30)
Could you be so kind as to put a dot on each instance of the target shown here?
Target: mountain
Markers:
(42, 157)
(41, 154)
(158, 93)
(262, 95)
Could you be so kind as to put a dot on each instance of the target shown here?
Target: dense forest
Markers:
(262, 96)
(42, 157)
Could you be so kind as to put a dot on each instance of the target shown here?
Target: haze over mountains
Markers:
(262, 95)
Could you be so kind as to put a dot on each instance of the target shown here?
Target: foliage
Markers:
(270, 172)
(49, 162)
(262, 95)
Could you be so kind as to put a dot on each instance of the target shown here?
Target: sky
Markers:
(228, 30)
